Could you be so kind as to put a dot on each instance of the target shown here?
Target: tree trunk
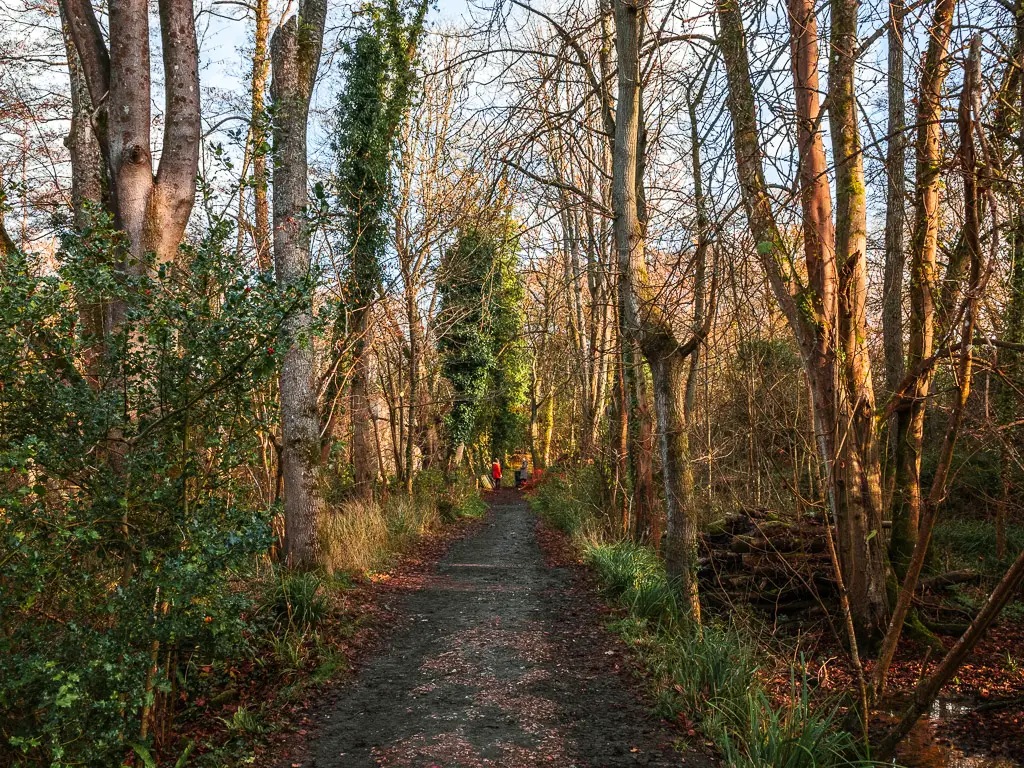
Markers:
(152, 211)
(363, 448)
(964, 374)
(895, 213)
(646, 515)
(256, 143)
(644, 320)
(703, 227)
(619, 434)
(295, 52)
(414, 377)
(924, 246)
(858, 471)
(89, 194)
(812, 310)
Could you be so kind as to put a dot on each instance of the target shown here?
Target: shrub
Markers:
(125, 512)
(570, 500)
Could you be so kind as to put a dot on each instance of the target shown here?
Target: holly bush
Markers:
(128, 509)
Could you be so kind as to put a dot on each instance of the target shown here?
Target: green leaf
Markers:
(180, 763)
(145, 755)
(765, 247)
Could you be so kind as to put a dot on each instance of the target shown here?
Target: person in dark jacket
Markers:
(522, 474)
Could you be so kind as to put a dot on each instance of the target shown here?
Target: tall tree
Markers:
(380, 78)
(295, 56)
(90, 189)
(482, 348)
(643, 318)
(827, 306)
(256, 144)
(151, 209)
(895, 212)
(363, 180)
(912, 399)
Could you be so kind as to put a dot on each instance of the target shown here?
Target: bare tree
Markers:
(644, 318)
(830, 306)
(295, 56)
(151, 209)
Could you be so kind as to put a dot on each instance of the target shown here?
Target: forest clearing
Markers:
(511, 383)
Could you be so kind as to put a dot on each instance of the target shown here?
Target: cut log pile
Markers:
(783, 566)
(780, 566)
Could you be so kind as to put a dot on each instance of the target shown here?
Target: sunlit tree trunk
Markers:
(858, 474)
(295, 53)
(151, 209)
(256, 144)
(923, 249)
(975, 171)
(821, 310)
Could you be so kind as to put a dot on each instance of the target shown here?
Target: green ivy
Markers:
(484, 353)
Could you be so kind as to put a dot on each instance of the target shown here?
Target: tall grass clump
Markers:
(753, 732)
(570, 500)
(361, 536)
(711, 672)
(364, 535)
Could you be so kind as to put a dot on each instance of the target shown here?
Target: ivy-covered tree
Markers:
(380, 77)
(510, 370)
(484, 355)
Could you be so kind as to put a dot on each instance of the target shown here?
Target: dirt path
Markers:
(498, 664)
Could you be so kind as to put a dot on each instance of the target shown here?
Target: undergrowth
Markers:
(301, 626)
(362, 536)
(708, 674)
(965, 543)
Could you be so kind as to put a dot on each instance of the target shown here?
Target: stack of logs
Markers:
(781, 567)
(784, 568)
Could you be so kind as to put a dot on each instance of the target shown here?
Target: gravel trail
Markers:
(501, 661)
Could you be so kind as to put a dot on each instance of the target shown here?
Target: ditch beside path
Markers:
(500, 661)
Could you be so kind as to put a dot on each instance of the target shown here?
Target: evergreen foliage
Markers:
(364, 163)
(379, 85)
(484, 354)
(125, 507)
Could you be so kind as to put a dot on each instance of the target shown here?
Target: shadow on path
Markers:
(498, 664)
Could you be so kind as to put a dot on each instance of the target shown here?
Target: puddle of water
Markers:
(923, 749)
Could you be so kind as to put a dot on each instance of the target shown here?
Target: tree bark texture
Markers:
(911, 408)
(151, 209)
(256, 145)
(295, 53)
(858, 474)
(363, 449)
(644, 320)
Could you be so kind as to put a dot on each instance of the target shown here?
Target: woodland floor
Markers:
(501, 659)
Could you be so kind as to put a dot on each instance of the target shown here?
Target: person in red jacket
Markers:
(496, 473)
